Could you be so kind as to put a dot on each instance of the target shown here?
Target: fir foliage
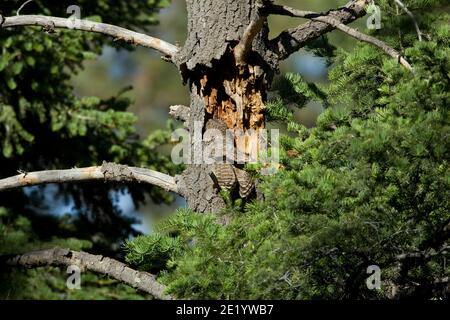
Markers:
(369, 183)
(45, 125)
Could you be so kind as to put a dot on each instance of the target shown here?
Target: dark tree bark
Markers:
(229, 63)
(221, 87)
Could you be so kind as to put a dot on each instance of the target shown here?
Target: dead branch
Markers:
(118, 33)
(244, 46)
(284, 10)
(58, 257)
(109, 172)
(291, 40)
(23, 6)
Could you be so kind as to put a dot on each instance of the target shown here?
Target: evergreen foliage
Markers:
(370, 183)
(17, 236)
(45, 125)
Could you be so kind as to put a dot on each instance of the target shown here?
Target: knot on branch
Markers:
(49, 28)
(117, 172)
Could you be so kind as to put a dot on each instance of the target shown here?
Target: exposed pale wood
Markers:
(109, 172)
(88, 262)
(116, 32)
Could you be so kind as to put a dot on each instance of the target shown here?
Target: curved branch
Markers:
(291, 40)
(110, 172)
(284, 10)
(95, 263)
(116, 32)
(411, 15)
(245, 45)
(23, 6)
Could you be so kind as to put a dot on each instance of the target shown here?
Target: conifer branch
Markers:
(109, 172)
(291, 40)
(58, 257)
(284, 10)
(118, 33)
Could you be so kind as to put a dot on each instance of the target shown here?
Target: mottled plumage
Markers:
(227, 175)
(245, 181)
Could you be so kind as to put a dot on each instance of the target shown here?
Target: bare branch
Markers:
(23, 6)
(284, 10)
(116, 32)
(109, 172)
(291, 40)
(245, 45)
(410, 14)
(95, 263)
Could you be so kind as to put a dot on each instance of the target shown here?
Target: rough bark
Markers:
(108, 172)
(216, 25)
(221, 87)
(229, 63)
(88, 262)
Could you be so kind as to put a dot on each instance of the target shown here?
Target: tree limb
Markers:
(23, 6)
(410, 14)
(291, 40)
(284, 10)
(116, 32)
(107, 172)
(245, 45)
(88, 262)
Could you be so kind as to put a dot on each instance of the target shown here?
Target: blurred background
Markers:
(156, 84)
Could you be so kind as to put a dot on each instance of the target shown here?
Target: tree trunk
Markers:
(221, 87)
(228, 63)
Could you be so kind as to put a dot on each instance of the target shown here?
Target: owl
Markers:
(227, 175)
